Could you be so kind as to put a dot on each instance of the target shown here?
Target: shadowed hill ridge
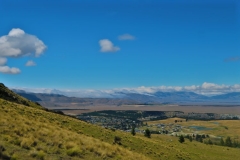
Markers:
(11, 96)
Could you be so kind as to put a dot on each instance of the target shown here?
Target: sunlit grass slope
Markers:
(29, 133)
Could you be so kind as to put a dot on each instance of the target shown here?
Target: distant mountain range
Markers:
(56, 100)
(123, 98)
(186, 98)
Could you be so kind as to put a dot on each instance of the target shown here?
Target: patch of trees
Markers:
(177, 121)
(147, 133)
(132, 115)
(133, 132)
(228, 142)
(196, 137)
(181, 139)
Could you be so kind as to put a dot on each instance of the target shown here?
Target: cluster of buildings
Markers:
(126, 120)
(167, 128)
(112, 122)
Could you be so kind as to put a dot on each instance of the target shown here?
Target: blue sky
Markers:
(121, 44)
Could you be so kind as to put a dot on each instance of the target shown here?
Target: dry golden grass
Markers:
(29, 133)
(38, 137)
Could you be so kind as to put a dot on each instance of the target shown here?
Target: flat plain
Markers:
(219, 109)
(213, 128)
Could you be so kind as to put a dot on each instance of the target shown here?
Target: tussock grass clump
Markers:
(70, 145)
(40, 155)
(27, 143)
(15, 141)
(37, 154)
(14, 157)
(33, 153)
(75, 151)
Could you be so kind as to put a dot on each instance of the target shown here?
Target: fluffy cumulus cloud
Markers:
(30, 63)
(5, 69)
(3, 61)
(16, 45)
(204, 89)
(107, 46)
(126, 37)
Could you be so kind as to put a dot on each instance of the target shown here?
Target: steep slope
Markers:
(29, 133)
(9, 95)
(26, 95)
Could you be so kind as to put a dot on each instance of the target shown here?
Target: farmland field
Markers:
(214, 128)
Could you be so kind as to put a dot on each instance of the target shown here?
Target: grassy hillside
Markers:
(9, 95)
(28, 133)
(32, 133)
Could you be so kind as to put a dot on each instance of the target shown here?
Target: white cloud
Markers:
(16, 45)
(16, 32)
(204, 89)
(206, 85)
(107, 46)
(3, 61)
(30, 63)
(126, 37)
(8, 70)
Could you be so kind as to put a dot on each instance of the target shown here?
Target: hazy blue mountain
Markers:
(137, 98)
(142, 98)
(190, 96)
(229, 96)
(55, 99)
(183, 98)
